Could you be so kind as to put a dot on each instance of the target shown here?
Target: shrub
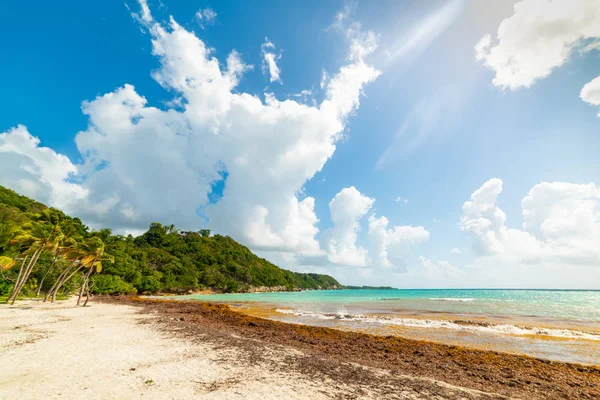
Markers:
(111, 284)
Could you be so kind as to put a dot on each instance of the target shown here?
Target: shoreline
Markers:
(140, 348)
(564, 343)
(552, 338)
(109, 351)
(484, 370)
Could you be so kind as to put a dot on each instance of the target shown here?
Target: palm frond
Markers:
(6, 262)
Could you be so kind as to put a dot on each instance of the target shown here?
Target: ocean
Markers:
(561, 325)
(559, 304)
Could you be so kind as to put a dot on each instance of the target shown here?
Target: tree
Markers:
(73, 267)
(204, 232)
(92, 255)
(34, 239)
(160, 260)
(69, 238)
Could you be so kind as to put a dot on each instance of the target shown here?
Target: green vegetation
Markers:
(42, 250)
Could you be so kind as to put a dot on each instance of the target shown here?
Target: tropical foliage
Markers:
(42, 250)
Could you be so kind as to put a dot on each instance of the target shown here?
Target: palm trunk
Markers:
(85, 281)
(26, 274)
(18, 281)
(47, 296)
(22, 273)
(45, 275)
(59, 279)
(87, 293)
(62, 282)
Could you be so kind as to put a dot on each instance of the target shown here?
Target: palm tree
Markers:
(70, 236)
(92, 255)
(73, 267)
(72, 254)
(34, 238)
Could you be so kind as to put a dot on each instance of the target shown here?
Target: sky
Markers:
(433, 144)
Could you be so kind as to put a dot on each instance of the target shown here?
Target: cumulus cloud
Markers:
(346, 209)
(385, 247)
(206, 16)
(37, 171)
(142, 163)
(539, 37)
(391, 246)
(561, 224)
(270, 61)
(456, 250)
(590, 93)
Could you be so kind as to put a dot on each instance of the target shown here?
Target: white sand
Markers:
(103, 352)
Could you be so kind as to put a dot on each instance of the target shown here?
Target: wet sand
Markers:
(329, 353)
(553, 339)
(138, 348)
(139, 351)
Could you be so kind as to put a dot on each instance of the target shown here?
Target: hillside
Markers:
(163, 259)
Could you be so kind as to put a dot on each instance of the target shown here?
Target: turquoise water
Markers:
(568, 305)
(554, 324)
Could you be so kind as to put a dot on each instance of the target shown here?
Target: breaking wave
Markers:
(450, 299)
(462, 325)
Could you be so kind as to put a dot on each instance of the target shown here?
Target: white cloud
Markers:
(270, 61)
(144, 164)
(206, 16)
(324, 79)
(538, 37)
(391, 246)
(401, 200)
(362, 43)
(346, 208)
(305, 96)
(36, 171)
(590, 93)
(384, 247)
(456, 250)
(561, 224)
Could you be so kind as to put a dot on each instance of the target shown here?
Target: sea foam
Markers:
(474, 326)
(450, 299)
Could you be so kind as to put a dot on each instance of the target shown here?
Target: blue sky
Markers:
(432, 124)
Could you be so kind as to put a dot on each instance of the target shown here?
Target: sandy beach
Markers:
(167, 350)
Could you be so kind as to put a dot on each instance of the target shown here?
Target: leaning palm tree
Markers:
(97, 268)
(69, 238)
(34, 238)
(92, 253)
(73, 256)
(72, 268)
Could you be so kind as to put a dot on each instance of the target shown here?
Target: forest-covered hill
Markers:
(163, 259)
